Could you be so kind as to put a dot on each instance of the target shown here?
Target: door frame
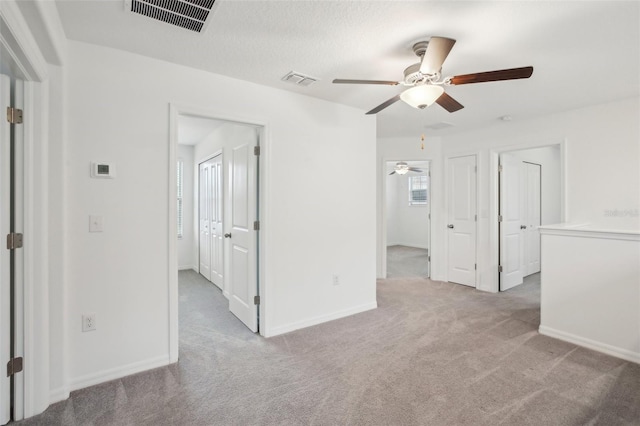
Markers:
(175, 110)
(494, 236)
(383, 210)
(446, 209)
(30, 66)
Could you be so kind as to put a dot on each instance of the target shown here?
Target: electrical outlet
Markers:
(336, 280)
(88, 322)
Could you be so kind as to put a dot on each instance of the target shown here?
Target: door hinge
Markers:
(428, 258)
(475, 168)
(14, 241)
(500, 218)
(14, 115)
(256, 225)
(256, 150)
(429, 215)
(256, 300)
(429, 173)
(475, 266)
(476, 217)
(500, 168)
(499, 268)
(14, 366)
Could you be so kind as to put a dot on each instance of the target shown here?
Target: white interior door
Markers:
(511, 231)
(204, 205)
(532, 218)
(215, 222)
(242, 238)
(5, 315)
(462, 220)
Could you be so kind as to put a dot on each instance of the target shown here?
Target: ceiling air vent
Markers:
(299, 79)
(189, 14)
(438, 126)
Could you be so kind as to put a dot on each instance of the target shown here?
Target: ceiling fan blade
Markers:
(448, 103)
(437, 51)
(392, 173)
(482, 77)
(385, 104)
(415, 169)
(344, 81)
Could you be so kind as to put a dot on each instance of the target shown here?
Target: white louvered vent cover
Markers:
(189, 14)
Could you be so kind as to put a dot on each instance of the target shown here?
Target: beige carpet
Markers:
(432, 354)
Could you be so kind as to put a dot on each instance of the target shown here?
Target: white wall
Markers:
(120, 108)
(549, 160)
(602, 167)
(186, 245)
(408, 149)
(406, 225)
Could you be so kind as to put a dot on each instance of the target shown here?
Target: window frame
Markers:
(423, 181)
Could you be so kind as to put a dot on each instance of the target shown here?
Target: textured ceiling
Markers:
(583, 52)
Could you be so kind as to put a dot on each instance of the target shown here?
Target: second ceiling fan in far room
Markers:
(423, 78)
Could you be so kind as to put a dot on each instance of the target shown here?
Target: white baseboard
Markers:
(187, 267)
(625, 354)
(59, 394)
(118, 372)
(274, 331)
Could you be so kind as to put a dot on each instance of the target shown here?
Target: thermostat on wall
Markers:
(103, 170)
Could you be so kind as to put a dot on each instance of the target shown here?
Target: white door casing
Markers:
(204, 205)
(216, 223)
(461, 228)
(5, 318)
(242, 278)
(532, 218)
(511, 233)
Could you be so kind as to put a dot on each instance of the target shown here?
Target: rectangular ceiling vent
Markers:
(299, 79)
(189, 14)
(438, 126)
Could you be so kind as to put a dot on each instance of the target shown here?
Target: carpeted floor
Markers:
(406, 262)
(433, 353)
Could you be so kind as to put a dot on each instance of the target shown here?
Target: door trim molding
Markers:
(176, 109)
(491, 269)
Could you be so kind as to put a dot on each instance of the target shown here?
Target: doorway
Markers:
(217, 162)
(408, 219)
(529, 195)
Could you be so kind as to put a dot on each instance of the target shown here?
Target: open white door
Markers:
(462, 220)
(511, 244)
(532, 219)
(242, 237)
(5, 265)
(204, 204)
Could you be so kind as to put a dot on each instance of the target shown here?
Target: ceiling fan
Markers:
(423, 78)
(402, 168)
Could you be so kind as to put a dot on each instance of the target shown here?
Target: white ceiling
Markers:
(583, 52)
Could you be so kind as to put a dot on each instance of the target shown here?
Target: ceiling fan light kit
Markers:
(422, 96)
(423, 78)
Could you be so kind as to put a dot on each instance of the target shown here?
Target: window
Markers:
(417, 190)
(180, 181)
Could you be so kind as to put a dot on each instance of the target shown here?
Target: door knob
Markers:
(450, 226)
(523, 226)
(227, 235)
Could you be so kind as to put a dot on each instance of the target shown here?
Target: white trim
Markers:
(118, 372)
(584, 231)
(176, 109)
(59, 394)
(625, 354)
(187, 267)
(275, 331)
(494, 153)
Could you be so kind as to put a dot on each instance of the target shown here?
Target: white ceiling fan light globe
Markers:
(422, 96)
(402, 171)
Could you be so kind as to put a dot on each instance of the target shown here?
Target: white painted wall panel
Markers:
(119, 103)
